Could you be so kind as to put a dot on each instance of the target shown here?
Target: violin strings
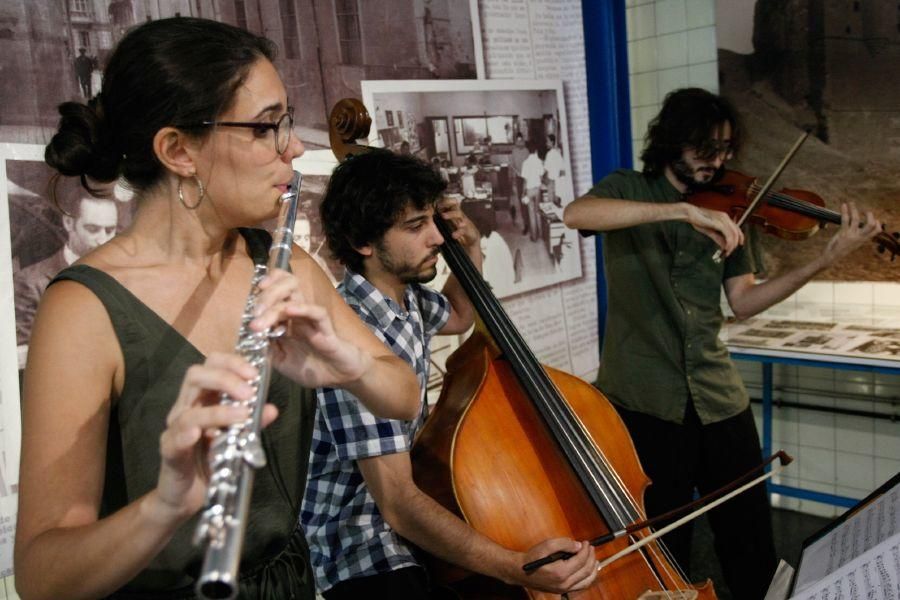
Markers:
(823, 214)
(795, 205)
(803, 207)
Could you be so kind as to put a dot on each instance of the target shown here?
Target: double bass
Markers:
(524, 452)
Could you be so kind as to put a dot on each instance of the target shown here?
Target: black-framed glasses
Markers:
(283, 128)
(714, 148)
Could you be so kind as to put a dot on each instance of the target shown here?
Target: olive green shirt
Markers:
(663, 316)
(275, 557)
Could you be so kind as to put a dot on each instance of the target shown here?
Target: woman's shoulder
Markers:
(114, 264)
(73, 319)
(76, 295)
(119, 254)
(304, 265)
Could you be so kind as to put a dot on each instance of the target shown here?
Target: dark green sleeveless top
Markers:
(275, 557)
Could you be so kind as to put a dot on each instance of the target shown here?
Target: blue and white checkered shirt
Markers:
(348, 538)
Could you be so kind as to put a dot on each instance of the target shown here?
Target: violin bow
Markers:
(714, 499)
(764, 190)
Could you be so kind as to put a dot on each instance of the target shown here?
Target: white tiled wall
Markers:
(672, 44)
(840, 454)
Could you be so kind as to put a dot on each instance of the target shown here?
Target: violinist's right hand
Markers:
(716, 225)
(574, 573)
(192, 421)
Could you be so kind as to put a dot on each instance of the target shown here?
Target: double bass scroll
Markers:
(348, 122)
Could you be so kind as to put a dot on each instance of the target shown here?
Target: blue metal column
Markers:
(606, 63)
(767, 410)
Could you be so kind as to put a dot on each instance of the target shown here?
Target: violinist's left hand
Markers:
(747, 297)
(853, 233)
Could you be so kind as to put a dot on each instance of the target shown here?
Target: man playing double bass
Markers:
(362, 510)
(663, 365)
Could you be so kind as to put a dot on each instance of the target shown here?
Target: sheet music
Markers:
(875, 575)
(876, 527)
(780, 586)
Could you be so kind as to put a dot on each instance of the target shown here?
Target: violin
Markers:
(523, 452)
(787, 213)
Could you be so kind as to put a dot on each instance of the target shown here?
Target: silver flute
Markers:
(236, 452)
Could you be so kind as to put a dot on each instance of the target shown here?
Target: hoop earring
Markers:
(199, 196)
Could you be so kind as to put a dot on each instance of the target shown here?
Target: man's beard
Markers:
(403, 271)
(685, 174)
(418, 277)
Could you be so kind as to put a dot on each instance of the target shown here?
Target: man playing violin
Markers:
(663, 365)
(362, 510)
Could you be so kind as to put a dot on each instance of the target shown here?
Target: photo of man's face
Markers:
(94, 225)
(302, 233)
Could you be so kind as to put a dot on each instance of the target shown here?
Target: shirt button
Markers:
(690, 346)
(688, 311)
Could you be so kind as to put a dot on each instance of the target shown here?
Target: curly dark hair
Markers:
(365, 196)
(688, 117)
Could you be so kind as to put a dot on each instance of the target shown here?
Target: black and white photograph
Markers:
(775, 335)
(56, 50)
(308, 232)
(53, 223)
(39, 236)
(502, 148)
(809, 325)
(875, 331)
(886, 348)
(816, 341)
(891, 334)
(748, 342)
(870, 342)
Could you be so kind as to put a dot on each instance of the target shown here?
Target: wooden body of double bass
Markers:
(486, 455)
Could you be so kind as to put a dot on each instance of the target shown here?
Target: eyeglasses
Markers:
(282, 128)
(713, 148)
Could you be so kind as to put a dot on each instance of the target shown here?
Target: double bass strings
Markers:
(597, 475)
(532, 376)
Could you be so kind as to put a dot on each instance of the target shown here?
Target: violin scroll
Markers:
(349, 121)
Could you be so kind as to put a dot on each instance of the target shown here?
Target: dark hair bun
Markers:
(78, 148)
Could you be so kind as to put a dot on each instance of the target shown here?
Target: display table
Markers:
(808, 344)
